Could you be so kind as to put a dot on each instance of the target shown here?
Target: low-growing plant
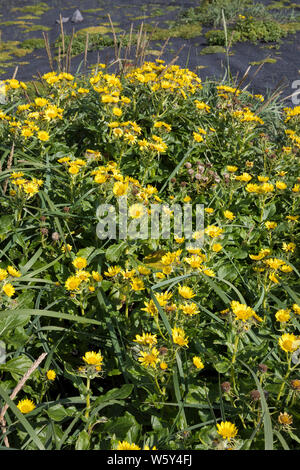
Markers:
(148, 342)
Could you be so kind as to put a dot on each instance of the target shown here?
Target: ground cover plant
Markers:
(151, 343)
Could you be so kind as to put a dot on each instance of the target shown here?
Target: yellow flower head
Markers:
(124, 445)
(147, 339)
(283, 315)
(149, 359)
(198, 362)
(242, 311)
(79, 262)
(189, 308)
(51, 374)
(186, 292)
(8, 289)
(178, 336)
(13, 272)
(227, 429)
(94, 359)
(25, 406)
(137, 284)
(289, 342)
(72, 283)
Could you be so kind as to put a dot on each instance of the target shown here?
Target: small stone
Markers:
(77, 17)
(64, 20)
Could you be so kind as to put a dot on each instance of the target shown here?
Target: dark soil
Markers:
(123, 13)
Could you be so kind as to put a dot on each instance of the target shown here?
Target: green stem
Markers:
(285, 378)
(88, 401)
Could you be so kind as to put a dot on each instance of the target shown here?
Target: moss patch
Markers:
(268, 60)
(92, 10)
(212, 50)
(13, 49)
(37, 27)
(185, 31)
(103, 29)
(38, 9)
(33, 43)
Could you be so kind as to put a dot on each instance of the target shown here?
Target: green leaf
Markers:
(268, 429)
(17, 365)
(116, 394)
(114, 252)
(6, 224)
(57, 412)
(222, 366)
(83, 441)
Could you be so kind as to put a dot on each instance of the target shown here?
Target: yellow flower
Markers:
(74, 169)
(94, 359)
(96, 276)
(296, 309)
(270, 225)
(296, 188)
(43, 136)
(146, 339)
(189, 309)
(163, 365)
(136, 211)
(242, 311)
(283, 315)
(150, 308)
(40, 102)
(143, 270)
(3, 274)
(227, 429)
(149, 359)
(198, 362)
(72, 283)
(163, 298)
(280, 185)
(112, 271)
(80, 263)
(51, 374)
(231, 168)
(25, 406)
(8, 289)
(229, 215)
(209, 210)
(289, 342)
(289, 247)
(117, 111)
(137, 284)
(217, 247)
(285, 419)
(186, 292)
(83, 275)
(213, 231)
(209, 272)
(274, 278)
(178, 336)
(244, 177)
(120, 189)
(274, 263)
(124, 445)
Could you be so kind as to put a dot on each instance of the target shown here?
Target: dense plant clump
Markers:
(148, 343)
